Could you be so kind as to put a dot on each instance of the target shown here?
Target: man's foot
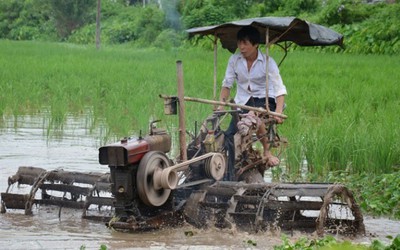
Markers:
(272, 160)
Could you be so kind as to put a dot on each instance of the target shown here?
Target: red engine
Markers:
(130, 151)
(124, 158)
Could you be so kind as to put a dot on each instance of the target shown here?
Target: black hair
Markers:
(249, 33)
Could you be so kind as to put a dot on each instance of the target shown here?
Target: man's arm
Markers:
(225, 93)
(280, 101)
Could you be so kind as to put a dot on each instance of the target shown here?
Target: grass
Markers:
(120, 85)
(342, 111)
(342, 108)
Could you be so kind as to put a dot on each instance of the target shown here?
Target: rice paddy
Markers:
(342, 108)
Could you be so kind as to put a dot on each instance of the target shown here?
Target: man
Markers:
(248, 70)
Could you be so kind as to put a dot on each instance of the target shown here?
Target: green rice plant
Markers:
(342, 108)
(120, 84)
(342, 112)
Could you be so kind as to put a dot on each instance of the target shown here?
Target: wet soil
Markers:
(77, 150)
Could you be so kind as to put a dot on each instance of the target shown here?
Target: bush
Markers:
(134, 24)
(24, 33)
(69, 15)
(85, 35)
(380, 199)
(207, 15)
(116, 32)
(378, 34)
(297, 7)
(148, 24)
(345, 12)
(24, 20)
(9, 13)
(168, 39)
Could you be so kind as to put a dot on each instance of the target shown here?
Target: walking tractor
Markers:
(215, 180)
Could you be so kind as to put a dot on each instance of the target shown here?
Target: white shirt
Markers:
(253, 82)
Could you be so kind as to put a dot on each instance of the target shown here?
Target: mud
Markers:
(75, 149)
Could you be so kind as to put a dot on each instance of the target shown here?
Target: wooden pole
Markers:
(182, 126)
(215, 71)
(267, 67)
(250, 108)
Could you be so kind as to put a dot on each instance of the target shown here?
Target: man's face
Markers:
(246, 48)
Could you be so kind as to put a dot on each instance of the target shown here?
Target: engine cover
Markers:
(130, 151)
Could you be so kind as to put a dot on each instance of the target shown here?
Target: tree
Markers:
(203, 12)
(9, 13)
(69, 15)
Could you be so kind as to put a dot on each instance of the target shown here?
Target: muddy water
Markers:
(77, 150)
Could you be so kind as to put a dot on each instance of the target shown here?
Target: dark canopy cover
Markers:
(281, 29)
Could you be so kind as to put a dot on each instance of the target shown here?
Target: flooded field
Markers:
(24, 143)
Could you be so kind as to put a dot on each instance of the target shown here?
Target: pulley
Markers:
(148, 179)
(215, 166)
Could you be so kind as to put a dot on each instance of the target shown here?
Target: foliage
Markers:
(377, 35)
(102, 247)
(132, 24)
(202, 13)
(34, 19)
(296, 7)
(24, 20)
(381, 198)
(148, 24)
(111, 8)
(69, 15)
(120, 28)
(238, 10)
(250, 243)
(343, 12)
(367, 28)
(210, 12)
(84, 35)
(10, 11)
(168, 39)
(330, 243)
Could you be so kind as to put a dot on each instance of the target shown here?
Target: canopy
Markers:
(281, 29)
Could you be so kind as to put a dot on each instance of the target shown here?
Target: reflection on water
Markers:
(76, 149)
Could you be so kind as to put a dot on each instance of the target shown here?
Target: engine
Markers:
(123, 159)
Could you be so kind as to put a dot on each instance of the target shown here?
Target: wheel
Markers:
(149, 190)
(215, 166)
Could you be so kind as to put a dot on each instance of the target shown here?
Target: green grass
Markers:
(342, 112)
(342, 108)
(119, 85)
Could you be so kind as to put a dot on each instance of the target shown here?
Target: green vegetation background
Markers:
(367, 28)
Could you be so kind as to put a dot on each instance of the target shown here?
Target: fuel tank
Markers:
(131, 150)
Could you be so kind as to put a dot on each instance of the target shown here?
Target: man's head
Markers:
(248, 39)
(250, 34)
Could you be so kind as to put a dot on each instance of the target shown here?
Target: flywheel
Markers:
(215, 166)
(149, 190)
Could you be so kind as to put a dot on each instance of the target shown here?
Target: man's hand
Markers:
(220, 108)
(278, 119)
